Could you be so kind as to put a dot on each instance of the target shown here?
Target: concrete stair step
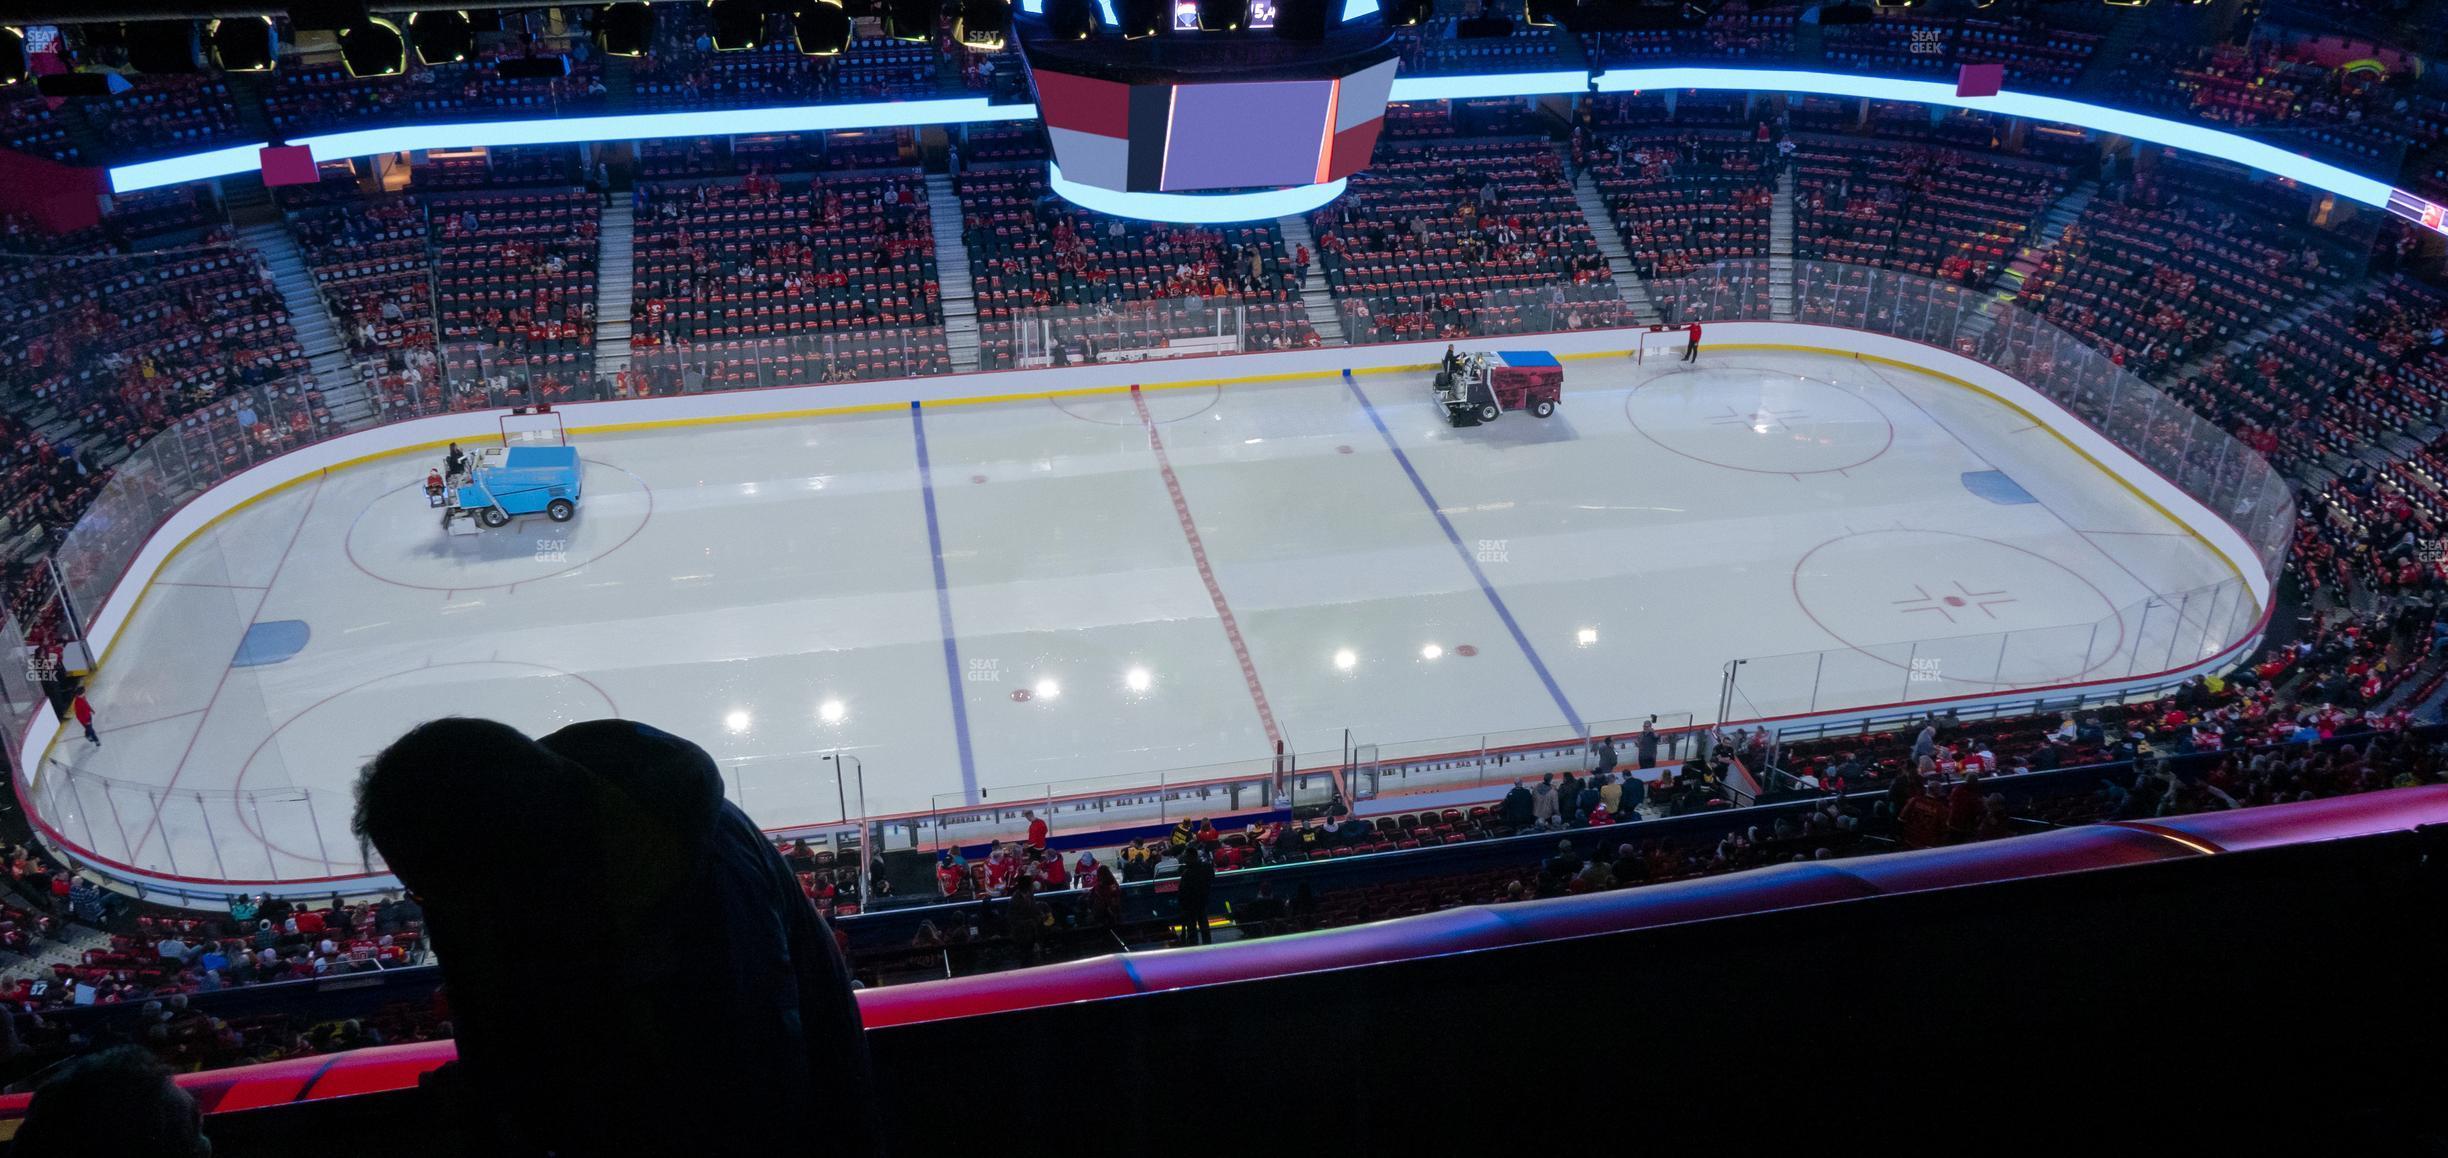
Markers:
(956, 292)
(1316, 302)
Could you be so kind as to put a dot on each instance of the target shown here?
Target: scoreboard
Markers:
(1206, 111)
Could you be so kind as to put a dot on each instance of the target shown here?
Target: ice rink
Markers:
(990, 596)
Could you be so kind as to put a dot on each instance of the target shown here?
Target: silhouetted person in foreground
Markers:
(725, 1022)
(118, 1103)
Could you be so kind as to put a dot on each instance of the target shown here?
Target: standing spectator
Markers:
(1515, 812)
(85, 901)
(84, 716)
(1197, 875)
(724, 963)
(1543, 801)
(1105, 899)
(1037, 830)
(1647, 745)
(1964, 807)
(1606, 755)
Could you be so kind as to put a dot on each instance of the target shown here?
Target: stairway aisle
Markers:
(615, 285)
(1323, 316)
(1781, 249)
(2110, 54)
(2054, 222)
(1611, 247)
(326, 355)
(955, 292)
(246, 202)
(2053, 226)
(246, 93)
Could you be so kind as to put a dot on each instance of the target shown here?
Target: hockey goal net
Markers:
(1660, 341)
(524, 427)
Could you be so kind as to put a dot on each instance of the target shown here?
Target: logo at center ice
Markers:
(1925, 671)
(984, 671)
(1492, 551)
(552, 551)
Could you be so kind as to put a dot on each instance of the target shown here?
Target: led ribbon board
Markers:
(888, 114)
(1193, 208)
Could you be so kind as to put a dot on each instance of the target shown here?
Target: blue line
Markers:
(943, 613)
(1469, 560)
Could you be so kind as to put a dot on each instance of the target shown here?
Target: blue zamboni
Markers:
(504, 483)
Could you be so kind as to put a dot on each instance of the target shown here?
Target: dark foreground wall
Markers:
(2269, 1001)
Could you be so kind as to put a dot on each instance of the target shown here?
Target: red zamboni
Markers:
(1480, 386)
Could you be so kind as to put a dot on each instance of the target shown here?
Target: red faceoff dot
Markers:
(1466, 649)
(1021, 697)
(1954, 601)
(1343, 450)
(977, 478)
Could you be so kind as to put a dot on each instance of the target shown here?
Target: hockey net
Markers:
(530, 428)
(1668, 342)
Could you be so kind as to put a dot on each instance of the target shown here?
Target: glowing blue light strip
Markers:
(181, 170)
(1446, 88)
(1193, 208)
(575, 130)
(2157, 130)
(888, 114)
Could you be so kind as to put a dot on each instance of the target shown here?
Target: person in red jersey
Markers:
(1001, 867)
(950, 874)
(1037, 831)
(1691, 345)
(84, 717)
(1050, 872)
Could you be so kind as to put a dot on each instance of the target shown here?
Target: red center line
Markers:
(1215, 592)
(135, 851)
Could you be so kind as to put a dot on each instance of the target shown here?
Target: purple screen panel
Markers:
(1238, 136)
